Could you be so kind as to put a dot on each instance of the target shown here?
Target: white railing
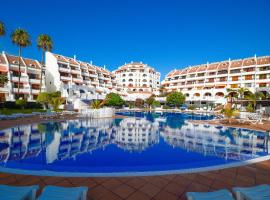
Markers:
(37, 81)
(62, 69)
(98, 113)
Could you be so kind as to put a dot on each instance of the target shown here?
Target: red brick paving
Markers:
(168, 187)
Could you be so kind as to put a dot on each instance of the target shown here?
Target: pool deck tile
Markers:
(165, 187)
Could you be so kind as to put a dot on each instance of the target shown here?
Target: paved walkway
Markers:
(167, 187)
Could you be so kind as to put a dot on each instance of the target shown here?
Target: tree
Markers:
(97, 104)
(156, 104)
(149, 101)
(114, 100)
(3, 79)
(2, 29)
(229, 113)
(139, 103)
(175, 99)
(55, 102)
(21, 38)
(44, 98)
(44, 42)
(21, 103)
(254, 97)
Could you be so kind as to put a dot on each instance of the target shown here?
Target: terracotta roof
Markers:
(72, 61)
(14, 60)
(202, 68)
(223, 65)
(184, 71)
(60, 58)
(212, 66)
(193, 69)
(171, 73)
(236, 63)
(263, 60)
(31, 63)
(249, 61)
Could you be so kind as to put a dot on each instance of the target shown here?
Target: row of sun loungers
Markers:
(260, 192)
(49, 193)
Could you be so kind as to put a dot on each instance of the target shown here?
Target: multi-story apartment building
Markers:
(77, 79)
(137, 80)
(209, 82)
(29, 82)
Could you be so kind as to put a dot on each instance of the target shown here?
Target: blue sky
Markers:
(165, 34)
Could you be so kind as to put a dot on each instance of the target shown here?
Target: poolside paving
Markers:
(168, 187)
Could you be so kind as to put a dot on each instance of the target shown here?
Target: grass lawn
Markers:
(6, 111)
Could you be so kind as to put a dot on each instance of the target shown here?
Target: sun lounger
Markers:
(67, 193)
(216, 195)
(253, 118)
(18, 192)
(260, 192)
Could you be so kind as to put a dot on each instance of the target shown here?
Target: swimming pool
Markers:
(139, 143)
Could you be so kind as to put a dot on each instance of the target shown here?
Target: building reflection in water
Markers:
(67, 140)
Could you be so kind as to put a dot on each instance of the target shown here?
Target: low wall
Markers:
(98, 113)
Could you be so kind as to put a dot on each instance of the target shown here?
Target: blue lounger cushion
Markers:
(8, 192)
(259, 192)
(216, 195)
(67, 193)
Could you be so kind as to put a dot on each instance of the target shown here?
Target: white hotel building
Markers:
(29, 81)
(209, 82)
(137, 80)
(76, 79)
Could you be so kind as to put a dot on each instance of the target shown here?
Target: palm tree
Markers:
(254, 97)
(21, 38)
(229, 113)
(44, 42)
(242, 92)
(2, 29)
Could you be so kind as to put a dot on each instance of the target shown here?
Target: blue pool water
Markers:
(136, 142)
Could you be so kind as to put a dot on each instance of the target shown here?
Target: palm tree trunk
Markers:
(41, 72)
(19, 82)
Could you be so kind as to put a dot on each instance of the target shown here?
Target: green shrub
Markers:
(21, 103)
(175, 99)
(191, 107)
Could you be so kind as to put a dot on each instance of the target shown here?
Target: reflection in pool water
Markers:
(140, 142)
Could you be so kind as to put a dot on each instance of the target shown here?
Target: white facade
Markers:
(209, 82)
(76, 79)
(29, 80)
(137, 80)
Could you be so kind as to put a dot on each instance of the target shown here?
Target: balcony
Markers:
(23, 79)
(75, 71)
(63, 69)
(35, 91)
(22, 90)
(35, 81)
(77, 80)
(4, 89)
(93, 75)
(65, 78)
(85, 73)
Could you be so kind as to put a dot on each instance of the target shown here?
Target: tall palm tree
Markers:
(21, 38)
(44, 42)
(2, 29)
(242, 92)
(254, 97)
